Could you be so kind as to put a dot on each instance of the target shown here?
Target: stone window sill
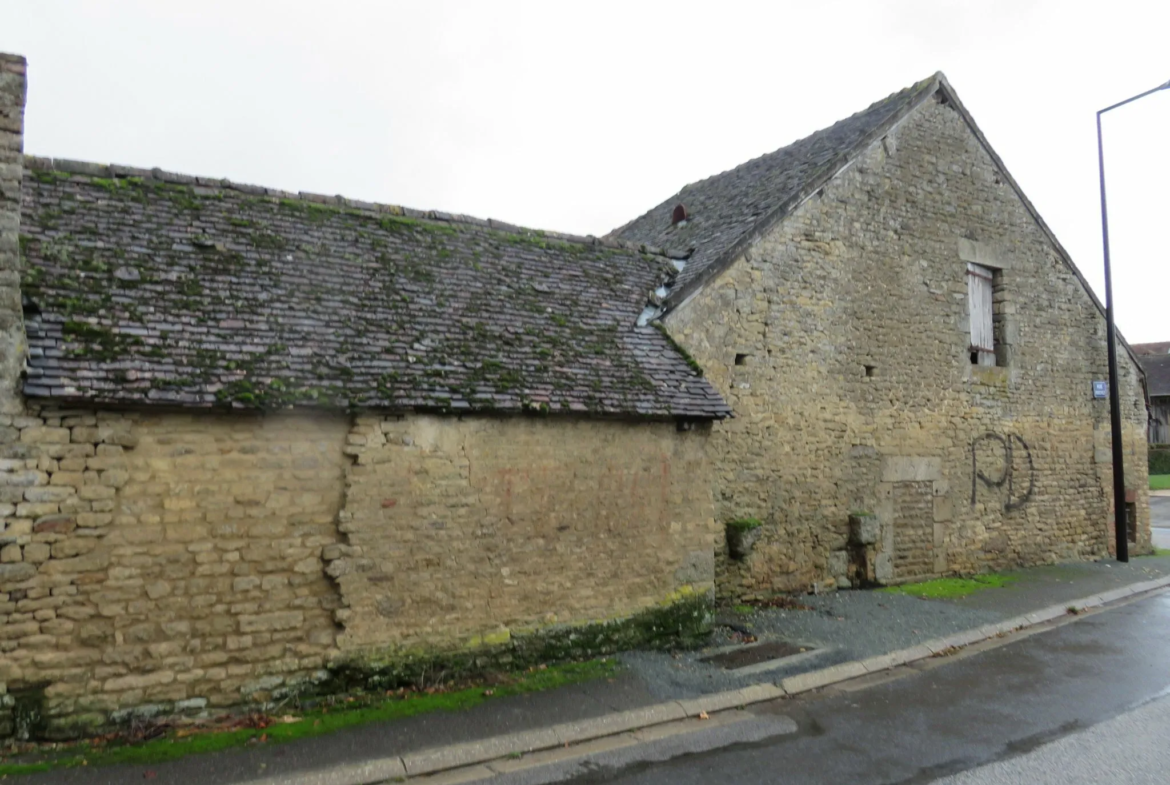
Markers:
(993, 375)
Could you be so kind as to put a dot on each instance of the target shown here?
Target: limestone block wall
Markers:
(162, 558)
(12, 340)
(183, 561)
(467, 531)
(841, 340)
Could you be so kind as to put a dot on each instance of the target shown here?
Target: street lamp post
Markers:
(1120, 520)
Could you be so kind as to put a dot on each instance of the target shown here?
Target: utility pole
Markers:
(1120, 519)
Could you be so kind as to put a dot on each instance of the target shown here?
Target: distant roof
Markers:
(1162, 347)
(144, 287)
(728, 210)
(1155, 359)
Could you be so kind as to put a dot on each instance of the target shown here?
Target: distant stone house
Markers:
(1155, 360)
(899, 334)
(248, 434)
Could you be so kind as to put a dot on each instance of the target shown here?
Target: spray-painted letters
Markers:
(1010, 444)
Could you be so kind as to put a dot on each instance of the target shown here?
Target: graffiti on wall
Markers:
(997, 449)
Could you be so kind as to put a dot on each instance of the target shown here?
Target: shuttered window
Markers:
(979, 298)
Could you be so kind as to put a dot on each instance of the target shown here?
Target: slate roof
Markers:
(143, 287)
(1160, 347)
(727, 211)
(1155, 360)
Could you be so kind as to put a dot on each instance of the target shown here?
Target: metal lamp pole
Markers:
(1121, 522)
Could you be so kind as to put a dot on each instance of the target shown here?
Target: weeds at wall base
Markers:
(360, 692)
(163, 742)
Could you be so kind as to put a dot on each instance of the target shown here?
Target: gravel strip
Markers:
(844, 626)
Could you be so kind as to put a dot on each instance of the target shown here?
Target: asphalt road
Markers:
(1093, 687)
(1126, 749)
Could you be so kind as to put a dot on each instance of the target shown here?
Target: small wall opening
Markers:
(870, 371)
(1131, 521)
(742, 359)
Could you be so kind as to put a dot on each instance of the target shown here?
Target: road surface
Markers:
(1085, 702)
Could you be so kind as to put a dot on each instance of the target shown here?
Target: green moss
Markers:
(97, 341)
(398, 223)
(49, 178)
(682, 623)
(744, 524)
(313, 211)
(690, 361)
(951, 588)
(329, 717)
(268, 241)
(278, 394)
(191, 287)
(110, 184)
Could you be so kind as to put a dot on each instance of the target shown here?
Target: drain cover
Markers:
(753, 655)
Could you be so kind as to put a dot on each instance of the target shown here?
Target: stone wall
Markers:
(170, 561)
(12, 340)
(162, 559)
(841, 340)
(469, 531)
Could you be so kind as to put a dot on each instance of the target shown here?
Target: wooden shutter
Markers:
(979, 300)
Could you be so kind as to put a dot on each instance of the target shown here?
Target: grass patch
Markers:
(1159, 482)
(1160, 552)
(744, 524)
(950, 588)
(340, 713)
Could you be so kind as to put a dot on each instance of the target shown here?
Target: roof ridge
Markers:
(937, 77)
(905, 90)
(116, 171)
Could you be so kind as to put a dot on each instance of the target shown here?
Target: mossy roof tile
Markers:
(143, 287)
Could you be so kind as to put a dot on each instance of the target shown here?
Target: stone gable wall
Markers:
(854, 391)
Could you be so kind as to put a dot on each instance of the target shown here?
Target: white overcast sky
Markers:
(579, 116)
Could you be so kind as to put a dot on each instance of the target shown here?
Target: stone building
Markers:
(1155, 360)
(900, 335)
(246, 435)
(250, 438)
